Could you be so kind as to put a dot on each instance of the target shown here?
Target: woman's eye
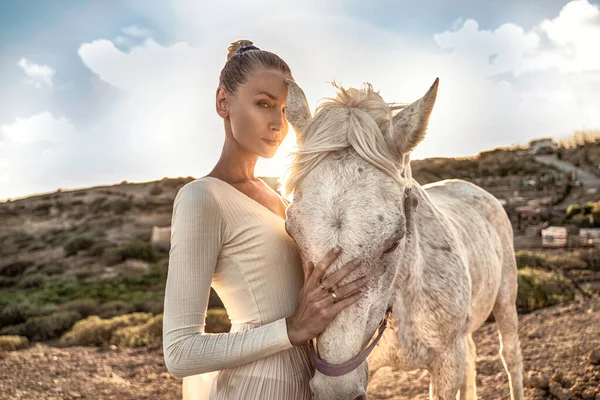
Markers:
(391, 248)
(264, 104)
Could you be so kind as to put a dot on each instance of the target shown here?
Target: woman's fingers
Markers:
(351, 287)
(338, 275)
(322, 265)
(308, 271)
(346, 301)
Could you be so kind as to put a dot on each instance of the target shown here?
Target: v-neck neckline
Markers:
(250, 199)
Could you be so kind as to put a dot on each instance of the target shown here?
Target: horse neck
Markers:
(409, 280)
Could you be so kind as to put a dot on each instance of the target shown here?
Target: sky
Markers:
(97, 92)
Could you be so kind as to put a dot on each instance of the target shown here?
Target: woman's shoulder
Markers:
(204, 188)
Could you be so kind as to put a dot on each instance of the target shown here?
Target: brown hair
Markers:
(240, 64)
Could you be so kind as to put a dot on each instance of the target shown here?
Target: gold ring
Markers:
(334, 296)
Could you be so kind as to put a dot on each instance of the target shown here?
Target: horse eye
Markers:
(391, 248)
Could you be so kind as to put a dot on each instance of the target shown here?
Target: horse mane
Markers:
(355, 119)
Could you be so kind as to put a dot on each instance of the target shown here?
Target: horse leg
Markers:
(507, 320)
(447, 372)
(468, 390)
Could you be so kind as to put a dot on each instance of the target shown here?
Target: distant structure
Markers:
(161, 238)
(554, 236)
(542, 146)
(589, 236)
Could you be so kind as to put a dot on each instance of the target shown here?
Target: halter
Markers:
(348, 366)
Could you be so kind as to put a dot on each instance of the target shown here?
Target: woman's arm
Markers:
(196, 240)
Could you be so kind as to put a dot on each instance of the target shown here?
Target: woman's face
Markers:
(256, 111)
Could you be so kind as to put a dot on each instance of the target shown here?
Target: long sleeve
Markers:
(197, 237)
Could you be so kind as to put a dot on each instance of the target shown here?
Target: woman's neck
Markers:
(235, 164)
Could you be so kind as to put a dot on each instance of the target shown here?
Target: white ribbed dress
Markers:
(222, 237)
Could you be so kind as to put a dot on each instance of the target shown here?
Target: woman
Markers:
(228, 231)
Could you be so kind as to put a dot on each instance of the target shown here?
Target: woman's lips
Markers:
(271, 142)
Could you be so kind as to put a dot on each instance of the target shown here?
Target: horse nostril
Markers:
(361, 395)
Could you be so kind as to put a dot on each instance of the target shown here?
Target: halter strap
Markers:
(350, 365)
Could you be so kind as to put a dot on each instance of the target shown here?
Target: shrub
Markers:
(153, 307)
(530, 259)
(76, 244)
(155, 190)
(13, 330)
(15, 313)
(567, 261)
(539, 289)
(85, 307)
(50, 326)
(217, 321)
(138, 250)
(95, 331)
(573, 210)
(36, 280)
(14, 269)
(6, 282)
(120, 206)
(115, 308)
(146, 335)
(11, 343)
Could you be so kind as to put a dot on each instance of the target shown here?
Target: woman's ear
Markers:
(222, 102)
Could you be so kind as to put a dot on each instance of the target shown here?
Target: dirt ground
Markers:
(561, 352)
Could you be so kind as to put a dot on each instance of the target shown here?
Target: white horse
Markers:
(441, 267)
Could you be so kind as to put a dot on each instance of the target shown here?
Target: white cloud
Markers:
(567, 43)
(497, 87)
(38, 128)
(136, 31)
(37, 75)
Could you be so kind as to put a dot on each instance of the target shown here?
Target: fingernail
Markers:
(337, 250)
(363, 278)
(356, 262)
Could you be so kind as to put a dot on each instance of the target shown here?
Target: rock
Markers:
(560, 392)
(588, 394)
(534, 334)
(538, 393)
(594, 357)
(537, 380)
(557, 377)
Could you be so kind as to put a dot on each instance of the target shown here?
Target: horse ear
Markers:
(410, 124)
(297, 110)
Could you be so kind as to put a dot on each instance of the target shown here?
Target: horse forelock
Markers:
(357, 119)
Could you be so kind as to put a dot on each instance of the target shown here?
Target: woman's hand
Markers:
(318, 306)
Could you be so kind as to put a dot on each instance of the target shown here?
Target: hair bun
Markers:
(236, 46)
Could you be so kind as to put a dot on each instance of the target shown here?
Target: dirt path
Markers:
(585, 177)
(554, 341)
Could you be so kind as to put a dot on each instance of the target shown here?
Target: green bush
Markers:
(95, 331)
(115, 308)
(138, 250)
(15, 313)
(567, 261)
(530, 259)
(539, 289)
(155, 190)
(146, 335)
(120, 206)
(217, 321)
(573, 210)
(36, 280)
(13, 330)
(85, 307)
(77, 243)
(11, 343)
(6, 282)
(15, 268)
(50, 326)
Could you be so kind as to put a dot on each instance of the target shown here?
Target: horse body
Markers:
(441, 256)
